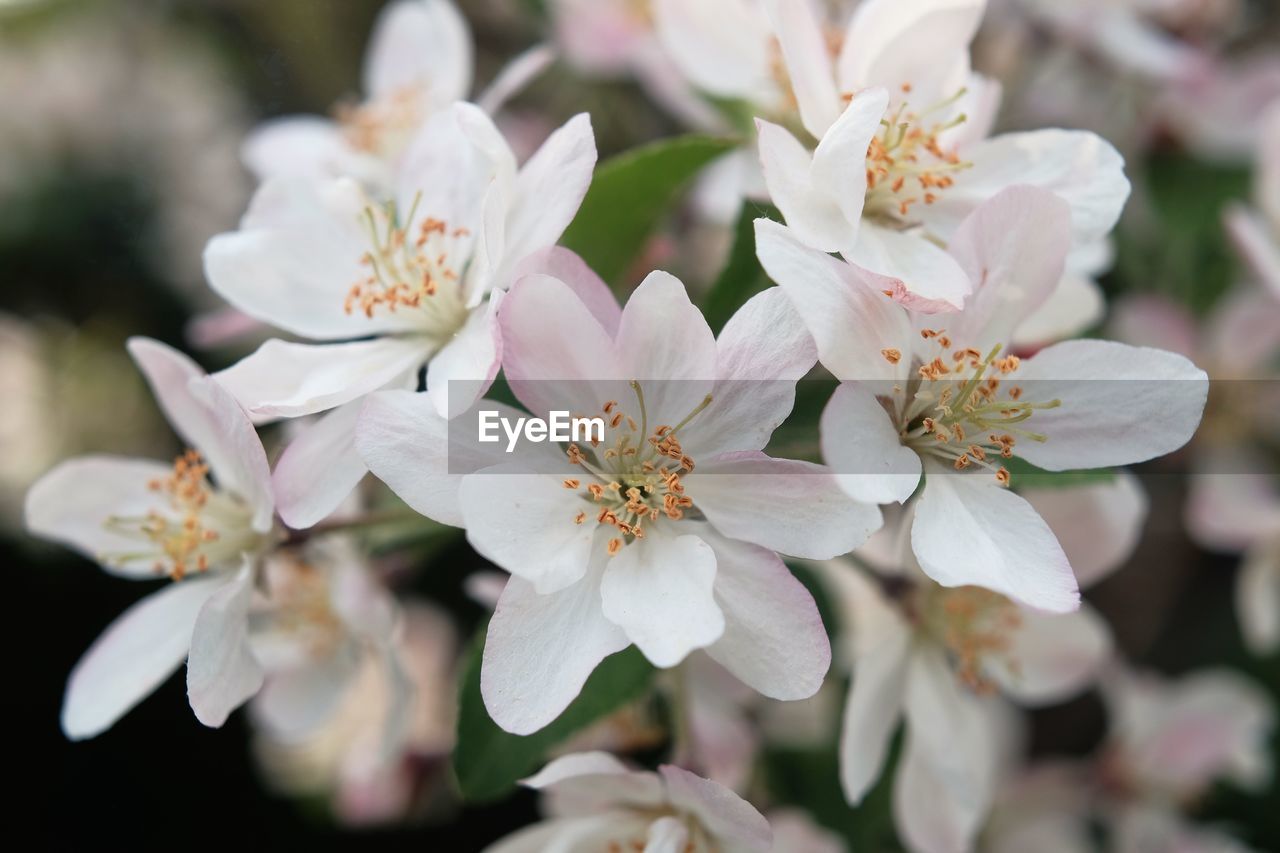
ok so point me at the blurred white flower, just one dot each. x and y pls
(595, 802)
(934, 395)
(390, 730)
(1256, 230)
(388, 287)
(929, 654)
(142, 520)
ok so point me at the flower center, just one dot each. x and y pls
(975, 625)
(906, 163)
(961, 408)
(300, 604)
(199, 527)
(382, 126)
(632, 476)
(411, 267)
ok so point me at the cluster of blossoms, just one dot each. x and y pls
(937, 271)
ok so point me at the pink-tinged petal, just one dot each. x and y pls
(71, 503)
(574, 765)
(420, 43)
(1080, 167)
(807, 61)
(1120, 404)
(211, 421)
(221, 670)
(729, 61)
(1233, 503)
(295, 258)
(969, 531)
(464, 369)
(592, 832)
(809, 209)
(773, 639)
(659, 591)
(881, 640)
(840, 160)
(863, 450)
(795, 832)
(548, 190)
(730, 819)
(556, 355)
(797, 508)
(852, 322)
(282, 379)
(305, 147)
(921, 276)
(1014, 250)
(762, 352)
(1258, 599)
(664, 337)
(924, 44)
(1051, 657)
(526, 523)
(1076, 305)
(945, 781)
(136, 652)
(562, 264)
(1098, 525)
(515, 76)
(1258, 243)
(420, 455)
(540, 649)
(319, 468)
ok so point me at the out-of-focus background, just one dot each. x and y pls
(120, 129)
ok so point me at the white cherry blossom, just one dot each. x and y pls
(939, 396)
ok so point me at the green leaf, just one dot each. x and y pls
(1028, 476)
(742, 276)
(488, 761)
(629, 194)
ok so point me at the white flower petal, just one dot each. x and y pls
(1075, 305)
(562, 264)
(970, 531)
(71, 503)
(295, 703)
(840, 160)
(282, 379)
(924, 44)
(515, 76)
(295, 258)
(1051, 657)
(525, 522)
(731, 820)
(465, 367)
(574, 765)
(319, 468)
(1013, 248)
(1120, 404)
(420, 43)
(555, 354)
(924, 277)
(305, 147)
(850, 320)
(785, 505)
(540, 650)
(1098, 525)
(136, 652)
(809, 209)
(863, 450)
(211, 421)
(773, 639)
(730, 61)
(221, 670)
(761, 353)
(874, 706)
(1080, 167)
(667, 835)
(659, 591)
(807, 61)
